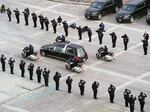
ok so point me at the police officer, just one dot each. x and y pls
(2, 8)
(17, 14)
(111, 91)
(114, 39)
(56, 78)
(9, 14)
(118, 3)
(141, 99)
(100, 35)
(95, 89)
(59, 20)
(89, 34)
(146, 36)
(132, 102)
(145, 46)
(54, 24)
(28, 11)
(3, 58)
(125, 41)
(22, 67)
(11, 64)
(69, 83)
(26, 16)
(34, 18)
(46, 76)
(79, 32)
(65, 26)
(41, 19)
(38, 73)
(30, 69)
(46, 21)
(102, 27)
(81, 85)
(126, 96)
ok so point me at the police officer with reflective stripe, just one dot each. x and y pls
(41, 19)
(34, 18)
(11, 64)
(114, 39)
(54, 24)
(95, 89)
(59, 20)
(38, 73)
(9, 13)
(26, 16)
(100, 35)
(22, 67)
(65, 26)
(46, 76)
(132, 103)
(17, 14)
(30, 69)
(141, 99)
(126, 96)
(111, 91)
(46, 21)
(145, 46)
(89, 34)
(56, 78)
(125, 41)
(79, 32)
(3, 58)
(69, 83)
(81, 85)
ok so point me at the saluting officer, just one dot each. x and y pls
(17, 14)
(81, 85)
(141, 99)
(41, 19)
(100, 35)
(56, 78)
(89, 34)
(9, 13)
(111, 91)
(46, 76)
(79, 32)
(26, 16)
(146, 36)
(38, 73)
(132, 102)
(59, 20)
(28, 11)
(3, 58)
(31, 68)
(34, 18)
(114, 39)
(54, 24)
(125, 41)
(65, 26)
(46, 21)
(95, 89)
(11, 64)
(126, 96)
(145, 46)
(22, 67)
(69, 83)
(102, 27)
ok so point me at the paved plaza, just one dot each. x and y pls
(130, 69)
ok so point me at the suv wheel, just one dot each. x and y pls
(43, 53)
(131, 19)
(99, 16)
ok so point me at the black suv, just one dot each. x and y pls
(132, 10)
(64, 51)
(148, 18)
(100, 8)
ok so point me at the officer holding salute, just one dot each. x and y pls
(46, 76)
(69, 83)
(3, 58)
(126, 96)
(111, 91)
(34, 18)
(81, 85)
(56, 78)
(100, 35)
(26, 16)
(145, 46)
(95, 89)
(9, 14)
(38, 73)
(79, 32)
(59, 20)
(41, 19)
(125, 41)
(46, 21)
(65, 25)
(17, 14)
(141, 99)
(146, 36)
(54, 24)
(30, 69)
(22, 67)
(132, 102)
(114, 39)
(11, 64)
(89, 34)
(102, 27)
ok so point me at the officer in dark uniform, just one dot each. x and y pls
(111, 91)
(102, 27)
(59, 20)
(54, 24)
(3, 58)
(65, 26)
(34, 18)
(145, 46)
(126, 96)
(17, 14)
(81, 85)
(38, 73)
(26, 16)
(114, 39)
(46, 21)
(118, 3)
(100, 35)
(69, 82)
(2, 9)
(28, 11)
(9, 14)
(31, 68)
(46, 76)
(41, 19)
(56, 78)
(146, 36)
(79, 32)
(22, 67)
(95, 89)
(125, 41)
(132, 102)
(11, 64)
(141, 99)
(89, 34)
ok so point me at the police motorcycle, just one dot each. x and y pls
(61, 39)
(104, 54)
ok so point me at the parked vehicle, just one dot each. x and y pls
(148, 18)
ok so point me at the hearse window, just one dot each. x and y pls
(51, 48)
(140, 5)
(70, 51)
(59, 49)
(98, 5)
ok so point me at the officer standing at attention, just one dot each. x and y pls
(11, 64)
(22, 67)
(125, 41)
(54, 24)
(41, 19)
(17, 14)
(31, 68)
(114, 39)
(89, 34)
(26, 16)
(145, 46)
(59, 20)
(95, 89)
(126, 96)
(111, 91)
(46, 76)
(34, 18)
(46, 21)
(132, 102)
(69, 82)
(3, 58)
(141, 99)
(79, 32)
(9, 14)
(38, 73)
(56, 78)
(65, 25)
(100, 35)
(81, 85)
(146, 36)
